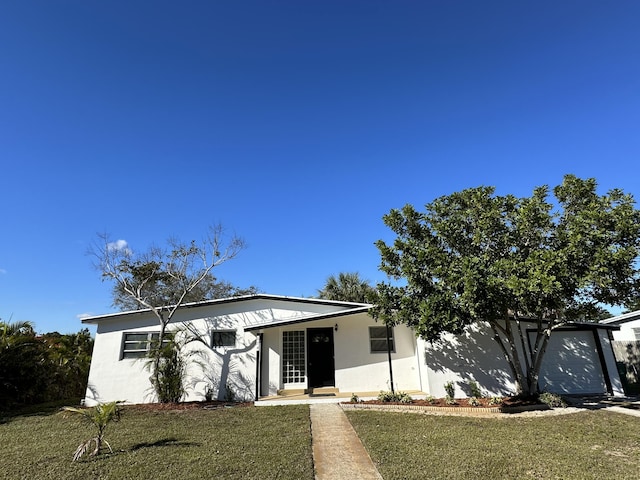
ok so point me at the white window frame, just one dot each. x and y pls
(294, 354)
(379, 334)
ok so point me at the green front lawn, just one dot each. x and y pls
(275, 442)
(228, 443)
(586, 445)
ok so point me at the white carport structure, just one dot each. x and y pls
(579, 361)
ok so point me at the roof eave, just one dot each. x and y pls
(313, 318)
(623, 318)
(94, 320)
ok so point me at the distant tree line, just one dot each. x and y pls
(38, 368)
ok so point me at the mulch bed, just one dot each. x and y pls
(508, 403)
(163, 407)
(463, 403)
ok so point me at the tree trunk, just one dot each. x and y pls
(521, 377)
(98, 441)
(541, 348)
(157, 354)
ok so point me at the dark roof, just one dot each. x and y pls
(588, 326)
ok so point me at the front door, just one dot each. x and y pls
(320, 364)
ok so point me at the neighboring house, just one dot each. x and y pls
(629, 324)
(263, 345)
(626, 347)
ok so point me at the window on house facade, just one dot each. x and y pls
(138, 344)
(223, 338)
(636, 333)
(378, 339)
(293, 363)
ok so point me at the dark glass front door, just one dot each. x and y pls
(320, 364)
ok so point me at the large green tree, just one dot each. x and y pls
(346, 287)
(163, 279)
(474, 256)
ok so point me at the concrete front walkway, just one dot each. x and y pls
(338, 453)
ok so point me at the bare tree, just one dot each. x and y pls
(162, 279)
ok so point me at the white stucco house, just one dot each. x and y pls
(262, 346)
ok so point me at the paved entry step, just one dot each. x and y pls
(323, 392)
(308, 391)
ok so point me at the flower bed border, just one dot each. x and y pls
(407, 407)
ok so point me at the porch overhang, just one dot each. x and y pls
(310, 318)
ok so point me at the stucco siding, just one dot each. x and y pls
(360, 370)
(224, 370)
(113, 379)
(356, 368)
(473, 356)
(259, 322)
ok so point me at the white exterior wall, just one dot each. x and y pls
(473, 356)
(359, 370)
(417, 365)
(356, 368)
(112, 378)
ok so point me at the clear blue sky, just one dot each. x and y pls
(296, 125)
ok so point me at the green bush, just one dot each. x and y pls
(170, 370)
(405, 398)
(385, 396)
(229, 394)
(475, 389)
(474, 401)
(553, 400)
(388, 397)
(450, 390)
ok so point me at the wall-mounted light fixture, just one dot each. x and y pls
(336, 327)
